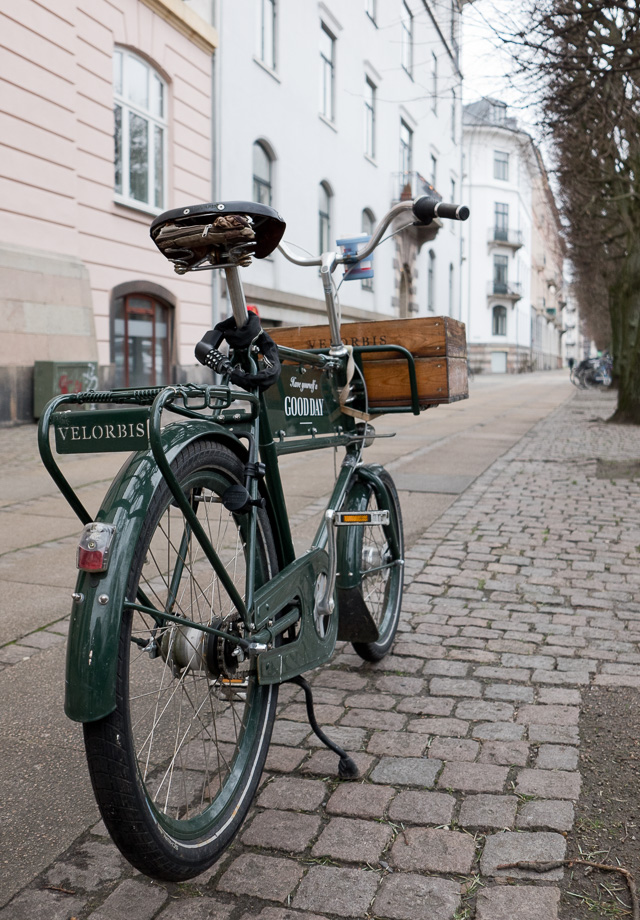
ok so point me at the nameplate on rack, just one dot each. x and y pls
(90, 432)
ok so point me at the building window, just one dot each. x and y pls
(407, 39)
(140, 135)
(369, 118)
(262, 174)
(434, 171)
(453, 193)
(431, 282)
(141, 341)
(434, 83)
(406, 153)
(324, 217)
(370, 9)
(501, 165)
(451, 287)
(454, 114)
(267, 33)
(327, 72)
(368, 225)
(499, 320)
(501, 221)
(500, 274)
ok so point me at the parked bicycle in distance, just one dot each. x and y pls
(191, 606)
(593, 372)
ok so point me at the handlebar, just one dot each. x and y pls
(424, 210)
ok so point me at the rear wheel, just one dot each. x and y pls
(175, 767)
(382, 569)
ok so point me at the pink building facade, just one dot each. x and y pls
(105, 111)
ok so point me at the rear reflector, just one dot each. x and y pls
(94, 547)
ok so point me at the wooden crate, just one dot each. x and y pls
(437, 343)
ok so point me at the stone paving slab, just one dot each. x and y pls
(466, 736)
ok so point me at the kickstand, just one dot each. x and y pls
(347, 768)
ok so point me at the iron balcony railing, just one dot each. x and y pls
(504, 236)
(509, 289)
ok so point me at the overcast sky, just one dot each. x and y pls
(485, 64)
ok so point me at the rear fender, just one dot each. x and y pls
(94, 632)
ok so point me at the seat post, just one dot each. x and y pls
(236, 296)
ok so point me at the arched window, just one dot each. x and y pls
(499, 320)
(262, 173)
(141, 336)
(324, 217)
(140, 132)
(431, 282)
(368, 223)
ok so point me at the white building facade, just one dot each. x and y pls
(512, 278)
(117, 110)
(330, 112)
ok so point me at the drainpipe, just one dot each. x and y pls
(215, 153)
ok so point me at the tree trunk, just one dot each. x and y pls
(625, 328)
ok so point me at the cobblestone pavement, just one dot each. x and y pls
(466, 736)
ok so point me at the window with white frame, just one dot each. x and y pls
(327, 72)
(406, 48)
(500, 274)
(406, 152)
(501, 217)
(434, 83)
(454, 114)
(140, 131)
(262, 174)
(369, 118)
(431, 282)
(266, 37)
(324, 217)
(368, 224)
(501, 165)
(451, 287)
(499, 320)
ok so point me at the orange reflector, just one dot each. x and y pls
(355, 518)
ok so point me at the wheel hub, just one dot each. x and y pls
(373, 557)
(185, 647)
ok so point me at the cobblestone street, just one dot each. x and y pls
(523, 593)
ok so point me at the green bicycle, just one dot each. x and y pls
(191, 606)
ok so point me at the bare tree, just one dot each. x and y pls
(584, 58)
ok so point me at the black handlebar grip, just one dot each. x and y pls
(452, 211)
(426, 208)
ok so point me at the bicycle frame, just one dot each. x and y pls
(302, 412)
(301, 589)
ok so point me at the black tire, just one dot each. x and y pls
(382, 589)
(175, 767)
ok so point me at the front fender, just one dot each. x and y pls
(94, 631)
(355, 621)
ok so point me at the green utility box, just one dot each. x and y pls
(51, 378)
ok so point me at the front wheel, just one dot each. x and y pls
(380, 559)
(174, 768)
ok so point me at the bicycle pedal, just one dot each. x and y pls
(349, 518)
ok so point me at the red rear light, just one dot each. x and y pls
(94, 547)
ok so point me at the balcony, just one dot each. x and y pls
(503, 236)
(409, 185)
(507, 290)
(406, 186)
